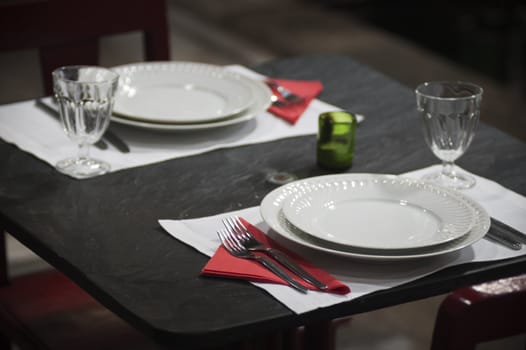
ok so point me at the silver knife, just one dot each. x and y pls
(514, 245)
(116, 141)
(109, 136)
(508, 231)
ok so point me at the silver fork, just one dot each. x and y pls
(233, 246)
(236, 228)
(289, 96)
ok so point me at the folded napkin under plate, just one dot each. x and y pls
(224, 264)
(360, 276)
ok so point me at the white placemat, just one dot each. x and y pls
(366, 277)
(34, 131)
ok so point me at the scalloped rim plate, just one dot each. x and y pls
(262, 100)
(378, 213)
(272, 214)
(180, 92)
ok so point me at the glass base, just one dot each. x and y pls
(455, 180)
(82, 168)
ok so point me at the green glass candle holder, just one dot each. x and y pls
(335, 147)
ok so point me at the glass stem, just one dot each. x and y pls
(448, 169)
(83, 150)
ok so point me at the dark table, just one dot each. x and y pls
(103, 232)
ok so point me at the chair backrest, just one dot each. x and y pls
(481, 313)
(67, 32)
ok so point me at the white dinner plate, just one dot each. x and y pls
(378, 212)
(272, 214)
(180, 92)
(262, 100)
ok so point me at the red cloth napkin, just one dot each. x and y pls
(308, 89)
(225, 265)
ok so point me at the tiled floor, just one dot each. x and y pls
(251, 32)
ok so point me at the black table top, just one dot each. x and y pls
(103, 232)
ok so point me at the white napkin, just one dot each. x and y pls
(33, 131)
(500, 203)
(366, 277)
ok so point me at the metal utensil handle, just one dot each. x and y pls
(284, 92)
(508, 230)
(117, 142)
(503, 241)
(292, 266)
(278, 271)
(100, 144)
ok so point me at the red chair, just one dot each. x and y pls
(67, 32)
(45, 310)
(481, 313)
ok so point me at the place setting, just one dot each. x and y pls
(162, 110)
(355, 233)
(349, 234)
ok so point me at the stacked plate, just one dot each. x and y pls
(371, 216)
(186, 96)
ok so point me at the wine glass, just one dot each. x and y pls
(85, 96)
(450, 112)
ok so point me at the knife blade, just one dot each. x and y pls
(109, 136)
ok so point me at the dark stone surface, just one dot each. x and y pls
(103, 232)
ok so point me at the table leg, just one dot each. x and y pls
(4, 276)
(285, 340)
(322, 335)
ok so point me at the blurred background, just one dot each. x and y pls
(478, 41)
